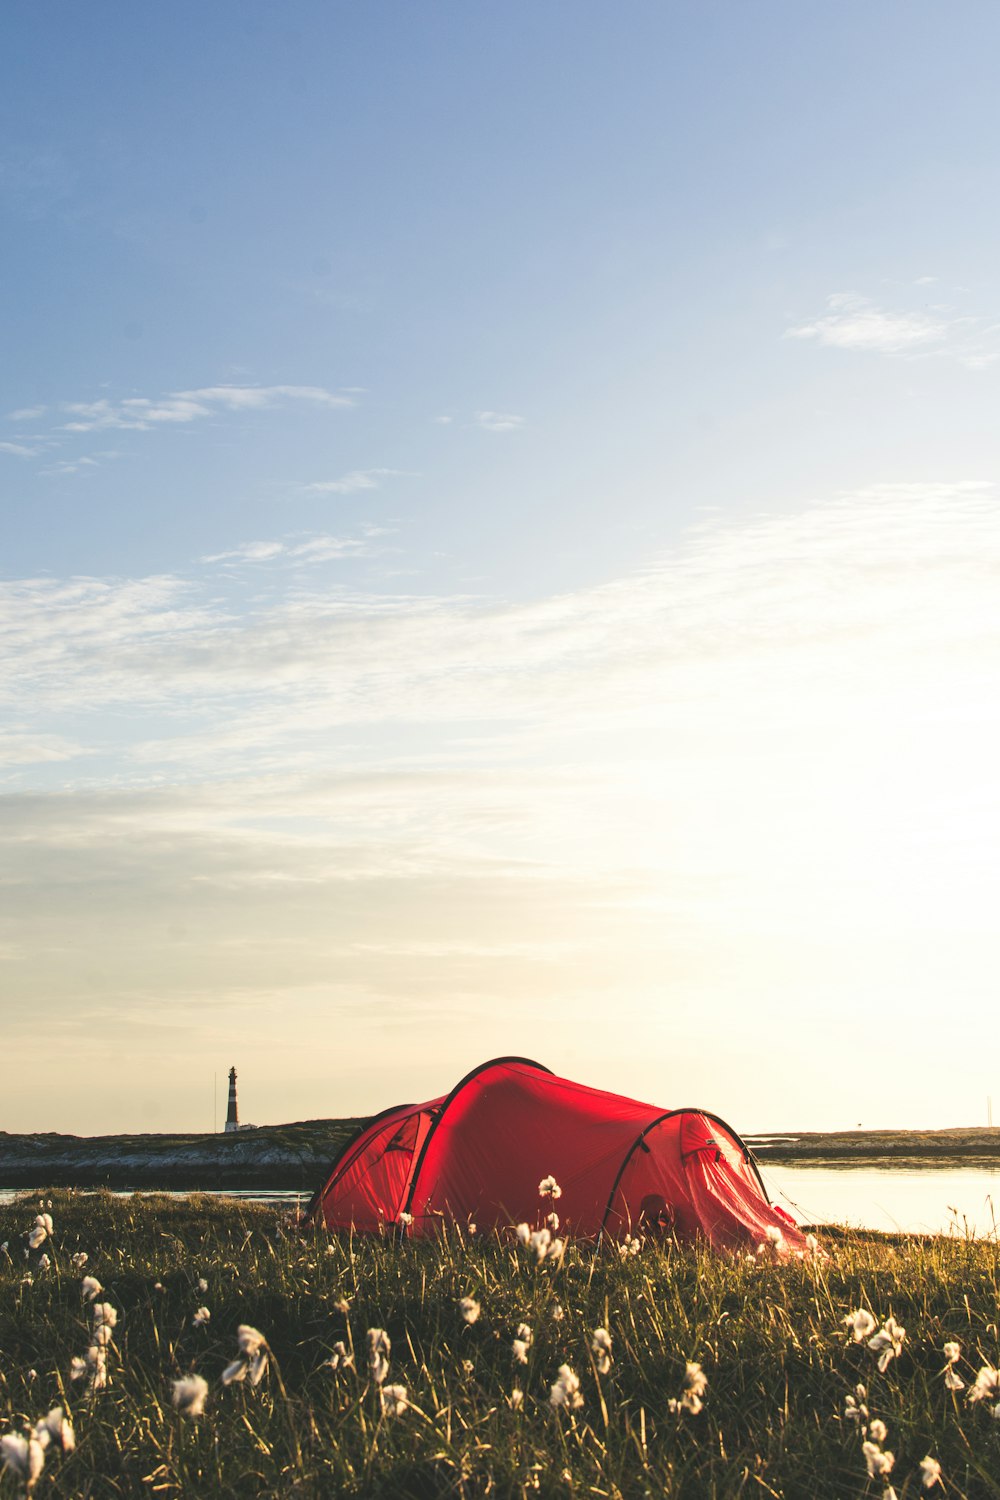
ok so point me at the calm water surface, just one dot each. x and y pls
(920, 1200)
(925, 1200)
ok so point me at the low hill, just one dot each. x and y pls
(293, 1157)
(964, 1146)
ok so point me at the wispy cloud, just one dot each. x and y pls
(352, 483)
(139, 413)
(314, 549)
(498, 421)
(20, 450)
(26, 414)
(854, 322)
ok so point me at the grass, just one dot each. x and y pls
(769, 1337)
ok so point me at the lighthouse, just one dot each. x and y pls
(232, 1116)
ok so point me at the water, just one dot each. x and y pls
(273, 1197)
(917, 1200)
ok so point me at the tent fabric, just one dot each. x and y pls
(478, 1155)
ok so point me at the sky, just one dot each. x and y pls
(500, 554)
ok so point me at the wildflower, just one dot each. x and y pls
(379, 1349)
(469, 1308)
(202, 1284)
(158, 1286)
(105, 1321)
(23, 1456)
(861, 1324)
(342, 1306)
(79, 1260)
(472, 1229)
(44, 1263)
(330, 1250)
(566, 1390)
(341, 1358)
(77, 1368)
(630, 1245)
(601, 1349)
(40, 1231)
(557, 1250)
(952, 1379)
(189, 1395)
(855, 1409)
(97, 1364)
(877, 1431)
(539, 1241)
(523, 1232)
(393, 1399)
(56, 1428)
(32, 1375)
(986, 1384)
(812, 1245)
(930, 1473)
(468, 1366)
(520, 1347)
(552, 1222)
(887, 1343)
(695, 1386)
(879, 1463)
(251, 1362)
(557, 1312)
(90, 1288)
(201, 1317)
(549, 1188)
(516, 1398)
(28, 1280)
(405, 1220)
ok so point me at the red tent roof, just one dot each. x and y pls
(479, 1154)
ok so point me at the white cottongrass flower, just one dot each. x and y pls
(97, 1367)
(557, 1313)
(985, 1385)
(379, 1349)
(23, 1456)
(887, 1343)
(105, 1322)
(342, 1305)
(469, 1308)
(549, 1188)
(28, 1280)
(812, 1245)
(557, 1250)
(952, 1379)
(77, 1368)
(251, 1362)
(630, 1245)
(877, 1430)
(79, 1260)
(340, 1358)
(695, 1386)
(522, 1343)
(40, 1231)
(393, 1400)
(516, 1399)
(861, 1324)
(523, 1232)
(404, 1219)
(201, 1317)
(552, 1222)
(566, 1390)
(930, 1473)
(189, 1395)
(879, 1464)
(44, 1263)
(202, 1284)
(601, 1349)
(855, 1409)
(538, 1242)
(56, 1430)
(90, 1288)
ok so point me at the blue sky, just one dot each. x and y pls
(499, 550)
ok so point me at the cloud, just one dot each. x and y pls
(139, 413)
(21, 450)
(352, 483)
(498, 421)
(314, 549)
(443, 421)
(856, 323)
(26, 414)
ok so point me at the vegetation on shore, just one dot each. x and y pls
(675, 1371)
(961, 1147)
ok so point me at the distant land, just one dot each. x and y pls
(294, 1157)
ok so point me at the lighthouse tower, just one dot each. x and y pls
(232, 1116)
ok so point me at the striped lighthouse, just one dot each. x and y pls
(232, 1115)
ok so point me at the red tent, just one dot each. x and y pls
(479, 1154)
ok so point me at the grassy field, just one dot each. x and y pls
(768, 1333)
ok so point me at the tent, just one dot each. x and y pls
(479, 1154)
